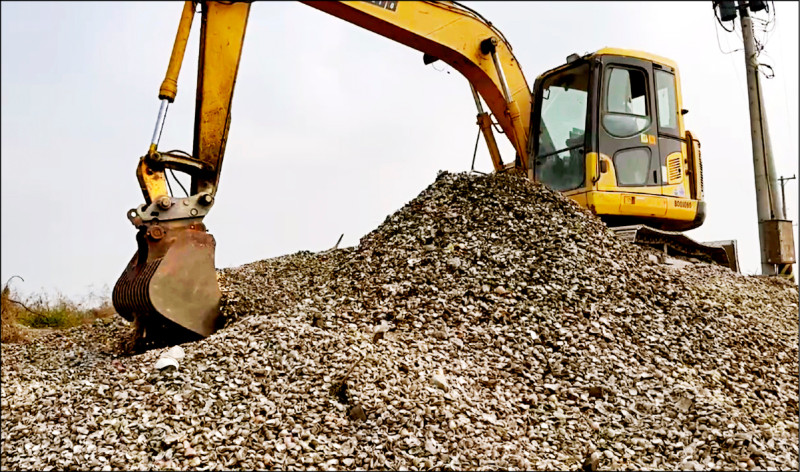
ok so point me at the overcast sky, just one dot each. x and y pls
(333, 128)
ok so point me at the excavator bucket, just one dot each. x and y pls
(169, 289)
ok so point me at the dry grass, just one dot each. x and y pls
(10, 331)
(41, 311)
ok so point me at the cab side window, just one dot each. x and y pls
(626, 107)
(667, 103)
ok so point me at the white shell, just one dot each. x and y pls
(164, 362)
(175, 352)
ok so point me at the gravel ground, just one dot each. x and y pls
(489, 323)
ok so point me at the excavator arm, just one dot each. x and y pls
(169, 288)
(222, 30)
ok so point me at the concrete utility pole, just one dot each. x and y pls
(774, 230)
(767, 197)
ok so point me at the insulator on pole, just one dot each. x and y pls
(756, 5)
(727, 10)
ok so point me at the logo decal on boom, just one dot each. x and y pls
(392, 6)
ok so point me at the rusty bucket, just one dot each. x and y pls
(169, 288)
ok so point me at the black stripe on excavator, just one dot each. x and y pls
(700, 216)
(391, 6)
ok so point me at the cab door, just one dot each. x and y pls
(561, 127)
(627, 131)
(670, 135)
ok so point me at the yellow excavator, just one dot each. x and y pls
(606, 129)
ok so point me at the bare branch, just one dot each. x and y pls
(11, 278)
(7, 290)
(23, 306)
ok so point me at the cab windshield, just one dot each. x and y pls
(559, 162)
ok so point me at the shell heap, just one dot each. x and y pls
(489, 323)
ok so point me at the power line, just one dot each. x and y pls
(766, 27)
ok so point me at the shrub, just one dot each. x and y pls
(59, 316)
(40, 312)
(9, 319)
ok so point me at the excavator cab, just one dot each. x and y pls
(607, 131)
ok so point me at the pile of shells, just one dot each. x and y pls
(490, 323)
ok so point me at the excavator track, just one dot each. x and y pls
(678, 244)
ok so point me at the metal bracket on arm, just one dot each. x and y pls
(161, 207)
(185, 164)
(152, 180)
(170, 208)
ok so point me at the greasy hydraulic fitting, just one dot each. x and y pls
(164, 202)
(156, 233)
(206, 199)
